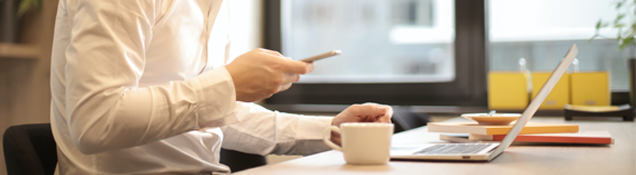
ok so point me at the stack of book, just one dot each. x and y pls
(532, 132)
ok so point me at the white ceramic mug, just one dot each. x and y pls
(363, 143)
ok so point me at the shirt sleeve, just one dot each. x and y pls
(105, 108)
(262, 131)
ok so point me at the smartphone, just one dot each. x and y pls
(321, 56)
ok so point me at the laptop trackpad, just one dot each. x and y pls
(406, 150)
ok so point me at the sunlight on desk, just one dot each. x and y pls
(618, 158)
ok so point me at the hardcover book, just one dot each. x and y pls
(583, 137)
(474, 128)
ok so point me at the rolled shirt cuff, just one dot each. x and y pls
(217, 99)
(312, 128)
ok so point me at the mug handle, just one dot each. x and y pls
(325, 137)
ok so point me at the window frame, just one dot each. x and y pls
(468, 88)
(471, 66)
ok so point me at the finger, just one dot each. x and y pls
(336, 138)
(389, 112)
(290, 78)
(374, 104)
(284, 87)
(272, 52)
(386, 118)
(368, 110)
(297, 67)
(310, 67)
(295, 77)
(378, 105)
(382, 119)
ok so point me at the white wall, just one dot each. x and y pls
(541, 20)
(247, 19)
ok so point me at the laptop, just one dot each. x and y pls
(485, 151)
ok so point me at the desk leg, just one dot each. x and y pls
(629, 116)
(568, 115)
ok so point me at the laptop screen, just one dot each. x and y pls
(536, 102)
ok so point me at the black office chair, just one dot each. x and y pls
(239, 161)
(30, 149)
(403, 119)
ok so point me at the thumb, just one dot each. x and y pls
(381, 109)
(386, 117)
(369, 110)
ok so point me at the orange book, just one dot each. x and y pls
(474, 128)
(583, 137)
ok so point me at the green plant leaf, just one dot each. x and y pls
(619, 25)
(618, 18)
(22, 9)
(627, 39)
(630, 34)
(598, 24)
(626, 42)
(618, 5)
(38, 3)
(590, 40)
(26, 5)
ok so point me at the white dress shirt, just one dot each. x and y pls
(139, 87)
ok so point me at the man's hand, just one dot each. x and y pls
(260, 73)
(368, 112)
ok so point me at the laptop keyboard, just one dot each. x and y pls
(454, 148)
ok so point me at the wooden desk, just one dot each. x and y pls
(618, 158)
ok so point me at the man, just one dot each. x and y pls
(142, 87)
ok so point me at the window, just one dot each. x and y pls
(415, 12)
(402, 52)
(541, 30)
(382, 41)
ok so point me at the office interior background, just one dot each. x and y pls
(413, 52)
(402, 52)
(412, 40)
